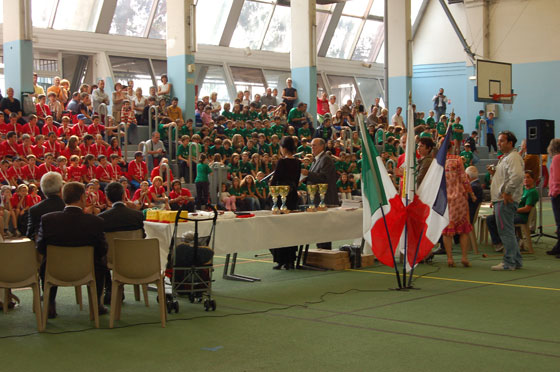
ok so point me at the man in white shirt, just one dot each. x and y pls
(397, 119)
(333, 106)
(506, 191)
(99, 96)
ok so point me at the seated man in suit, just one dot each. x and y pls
(322, 171)
(73, 228)
(118, 218)
(51, 185)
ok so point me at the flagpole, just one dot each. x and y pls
(407, 176)
(364, 133)
(409, 286)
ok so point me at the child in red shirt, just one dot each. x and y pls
(75, 171)
(142, 196)
(33, 197)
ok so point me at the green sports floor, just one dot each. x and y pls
(460, 319)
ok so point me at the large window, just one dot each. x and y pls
(251, 79)
(341, 43)
(211, 17)
(41, 12)
(158, 29)
(215, 81)
(343, 88)
(131, 17)
(369, 90)
(369, 41)
(251, 25)
(137, 69)
(276, 79)
(77, 15)
(278, 35)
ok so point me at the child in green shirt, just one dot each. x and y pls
(201, 182)
(467, 156)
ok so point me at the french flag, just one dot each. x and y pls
(428, 214)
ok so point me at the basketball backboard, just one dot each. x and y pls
(493, 78)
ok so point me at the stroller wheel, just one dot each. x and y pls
(169, 307)
(206, 305)
(213, 305)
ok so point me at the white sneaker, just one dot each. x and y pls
(501, 267)
(498, 247)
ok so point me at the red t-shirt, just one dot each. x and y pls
(33, 199)
(39, 151)
(88, 172)
(8, 149)
(4, 175)
(79, 130)
(47, 129)
(155, 172)
(104, 173)
(43, 168)
(138, 170)
(16, 173)
(110, 151)
(33, 132)
(159, 191)
(137, 195)
(14, 201)
(43, 110)
(97, 149)
(93, 129)
(67, 152)
(61, 131)
(85, 150)
(31, 172)
(322, 106)
(24, 151)
(53, 148)
(75, 173)
(184, 192)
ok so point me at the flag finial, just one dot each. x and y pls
(410, 97)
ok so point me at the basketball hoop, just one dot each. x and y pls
(503, 97)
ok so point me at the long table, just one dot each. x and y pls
(265, 231)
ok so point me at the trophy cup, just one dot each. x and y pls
(311, 191)
(284, 191)
(322, 191)
(274, 192)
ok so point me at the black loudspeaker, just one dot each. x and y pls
(539, 134)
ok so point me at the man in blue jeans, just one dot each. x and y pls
(505, 192)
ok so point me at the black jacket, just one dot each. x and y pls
(73, 228)
(122, 218)
(51, 204)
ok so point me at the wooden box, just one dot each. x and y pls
(368, 260)
(327, 259)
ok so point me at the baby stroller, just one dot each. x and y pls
(190, 265)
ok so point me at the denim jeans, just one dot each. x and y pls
(505, 215)
(493, 227)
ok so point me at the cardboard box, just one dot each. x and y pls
(368, 260)
(328, 259)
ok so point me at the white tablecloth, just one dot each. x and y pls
(266, 231)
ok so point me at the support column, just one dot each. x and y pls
(399, 57)
(181, 46)
(18, 47)
(303, 56)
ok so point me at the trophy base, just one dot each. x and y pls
(276, 211)
(285, 211)
(322, 209)
(311, 209)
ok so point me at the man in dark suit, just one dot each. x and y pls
(73, 228)
(118, 218)
(51, 185)
(322, 171)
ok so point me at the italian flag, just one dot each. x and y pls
(384, 212)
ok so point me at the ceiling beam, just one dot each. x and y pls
(419, 17)
(331, 28)
(231, 22)
(106, 16)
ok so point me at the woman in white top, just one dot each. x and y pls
(164, 90)
(118, 97)
(216, 106)
(138, 104)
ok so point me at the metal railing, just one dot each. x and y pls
(347, 139)
(103, 112)
(169, 141)
(190, 158)
(150, 120)
(119, 136)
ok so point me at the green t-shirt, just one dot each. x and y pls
(163, 132)
(213, 150)
(305, 149)
(227, 114)
(228, 152)
(253, 115)
(233, 168)
(262, 187)
(356, 167)
(341, 166)
(295, 114)
(477, 122)
(379, 137)
(457, 136)
(262, 116)
(418, 122)
(234, 192)
(468, 155)
(304, 132)
(240, 116)
(275, 148)
(245, 167)
(345, 185)
(251, 151)
(245, 189)
(441, 128)
(431, 122)
(530, 197)
(425, 135)
(202, 172)
(183, 151)
(278, 129)
(390, 149)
